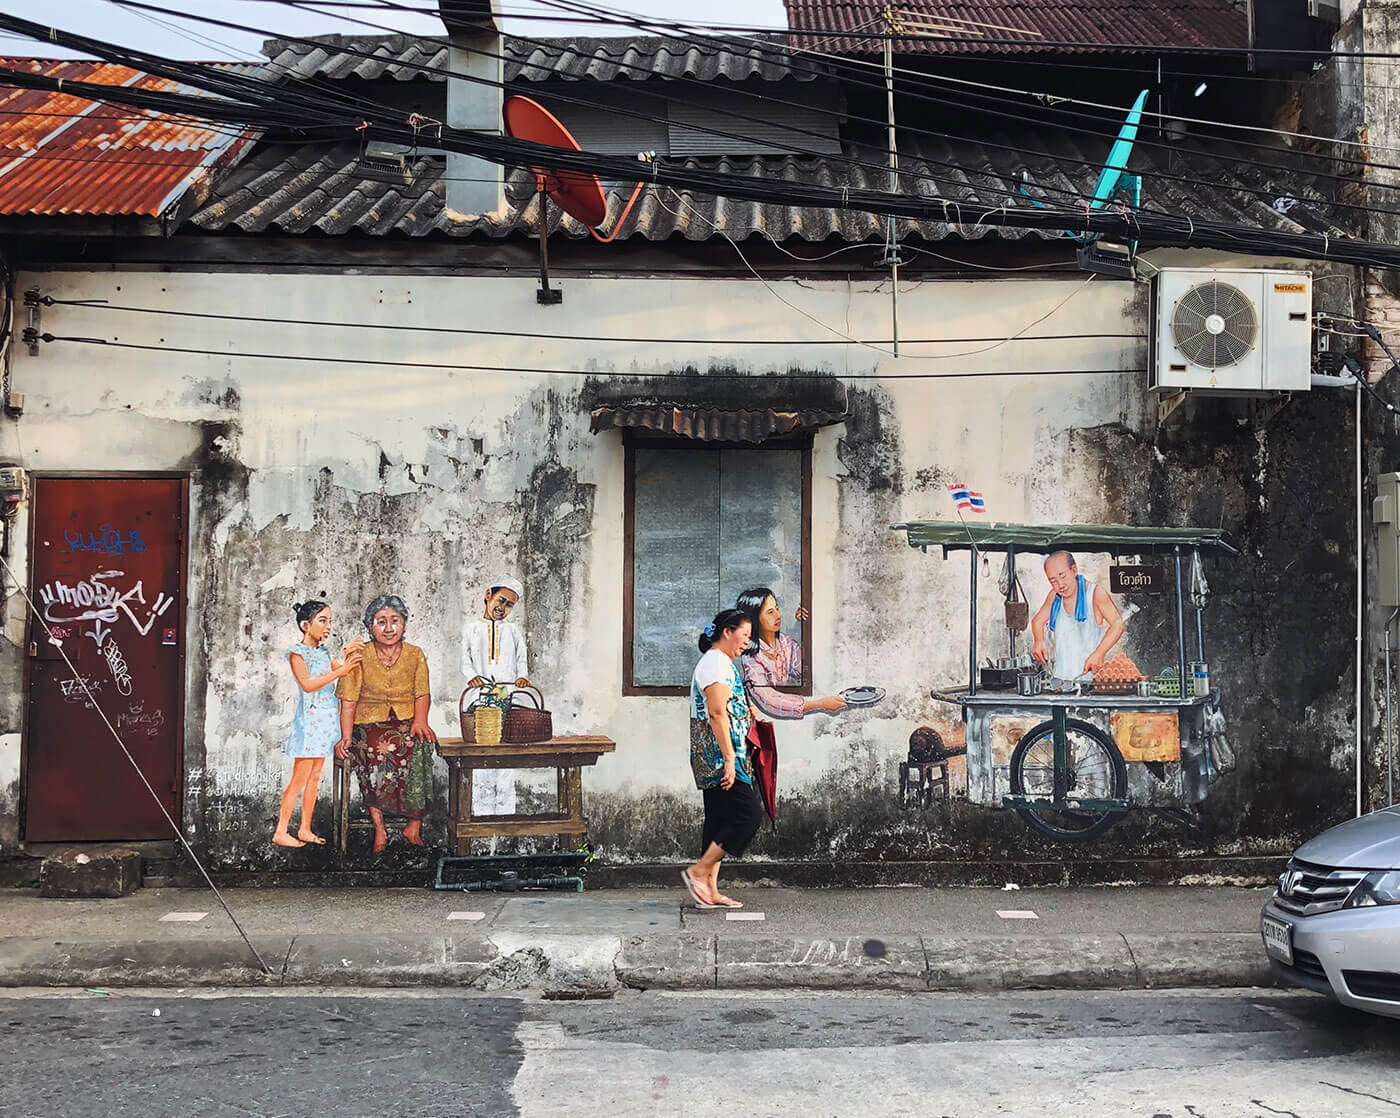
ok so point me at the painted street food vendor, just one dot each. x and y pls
(1079, 617)
(493, 650)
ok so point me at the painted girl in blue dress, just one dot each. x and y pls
(316, 725)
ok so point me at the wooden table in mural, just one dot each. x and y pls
(566, 755)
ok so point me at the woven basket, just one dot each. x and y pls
(468, 716)
(525, 724)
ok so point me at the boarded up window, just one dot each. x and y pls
(705, 524)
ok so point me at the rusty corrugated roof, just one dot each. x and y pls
(966, 26)
(713, 424)
(716, 409)
(61, 154)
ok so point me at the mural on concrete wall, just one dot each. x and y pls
(316, 724)
(384, 731)
(467, 473)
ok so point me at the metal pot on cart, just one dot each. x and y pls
(1067, 775)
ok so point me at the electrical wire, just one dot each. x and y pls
(135, 5)
(790, 31)
(866, 164)
(768, 286)
(97, 304)
(1268, 196)
(1169, 229)
(1166, 229)
(839, 63)
(683, 374)
(879, 168)
(940, 356)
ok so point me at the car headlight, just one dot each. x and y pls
(1375, 889)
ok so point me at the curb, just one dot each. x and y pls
(1247, 870)
(576, 966)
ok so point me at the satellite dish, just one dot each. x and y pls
(1117, 160)
(1111, 178)
(577, 193)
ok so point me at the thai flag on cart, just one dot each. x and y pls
(965, 498)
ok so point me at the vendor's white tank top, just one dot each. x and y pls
(1076, 640)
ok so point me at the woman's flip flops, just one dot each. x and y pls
(689, 883)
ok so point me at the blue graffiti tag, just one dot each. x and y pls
(107, 540)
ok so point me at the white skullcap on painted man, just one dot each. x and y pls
(507, 583)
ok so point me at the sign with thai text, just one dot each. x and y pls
(1137, 580)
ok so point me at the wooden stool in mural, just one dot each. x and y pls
(566, 755)
(343, 778)
(924, 776)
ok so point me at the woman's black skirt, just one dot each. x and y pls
(732, 818)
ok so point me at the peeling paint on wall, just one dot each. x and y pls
(353, 479)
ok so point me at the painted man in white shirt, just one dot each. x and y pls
(493, 651)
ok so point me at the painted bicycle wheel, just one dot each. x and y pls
(1095, 771)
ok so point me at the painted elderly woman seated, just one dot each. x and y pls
(384, 723)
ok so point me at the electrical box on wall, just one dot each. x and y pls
(1385, 514)
(1232, 331)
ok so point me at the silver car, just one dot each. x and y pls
(1333, 925)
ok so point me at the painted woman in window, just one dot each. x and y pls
(773, 660)
(384, 723)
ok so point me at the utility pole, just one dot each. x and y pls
(891, 257)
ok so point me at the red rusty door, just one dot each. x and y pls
(107, 576)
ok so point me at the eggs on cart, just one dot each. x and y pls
(1119, 675)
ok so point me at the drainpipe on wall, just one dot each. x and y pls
(474, 185)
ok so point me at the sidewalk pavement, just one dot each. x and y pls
(593, 944)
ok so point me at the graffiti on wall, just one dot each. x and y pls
(105, 540)
(95, 606)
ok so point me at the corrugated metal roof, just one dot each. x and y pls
(576, 58)
(950, 26)
(715, 408)
(61, 154)
(318, 189)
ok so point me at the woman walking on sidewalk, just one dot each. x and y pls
(719, 728)
(316, 724)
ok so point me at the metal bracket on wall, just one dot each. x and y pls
(1167, 405)
(1265, 411)
(35, 307)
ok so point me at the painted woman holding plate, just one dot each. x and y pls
(773, 660)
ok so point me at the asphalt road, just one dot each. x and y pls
(1180, 1054)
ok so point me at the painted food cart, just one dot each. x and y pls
(1066, 773)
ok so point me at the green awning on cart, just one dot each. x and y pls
(1115, 539)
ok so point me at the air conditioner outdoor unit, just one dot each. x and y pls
(1232, 331)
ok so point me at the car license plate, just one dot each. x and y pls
(1278, 939)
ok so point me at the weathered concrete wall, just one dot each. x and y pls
(354, 479)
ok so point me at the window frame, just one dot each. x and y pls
(630, 444)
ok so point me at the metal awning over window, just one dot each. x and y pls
(739, 410)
